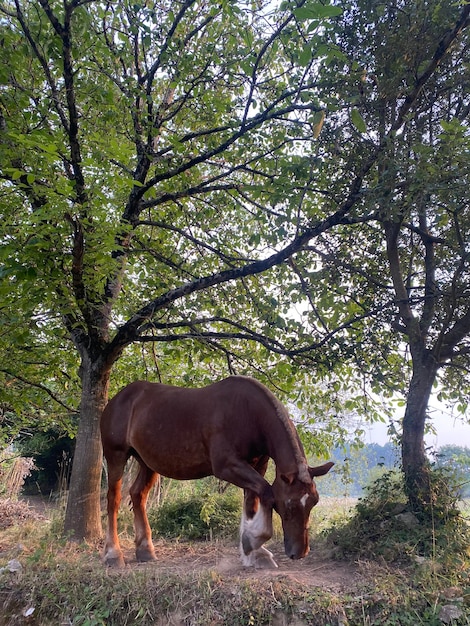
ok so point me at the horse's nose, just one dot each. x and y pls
(294, 552)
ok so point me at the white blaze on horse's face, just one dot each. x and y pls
(293, 501)
(304, 500)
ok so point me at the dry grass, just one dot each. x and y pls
(15, 512)
(64, 584)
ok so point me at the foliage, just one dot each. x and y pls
(457, 458)
(163, 162)
(383, 526)
(52, 451)
(206, 515)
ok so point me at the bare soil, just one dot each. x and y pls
(317, 569)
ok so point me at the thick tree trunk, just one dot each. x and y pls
(414, 461)
(83, 513)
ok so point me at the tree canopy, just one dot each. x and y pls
(236, 187)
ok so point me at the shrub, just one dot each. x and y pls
(383, 526)
(202, 516)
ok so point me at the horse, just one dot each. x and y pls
(229, 429)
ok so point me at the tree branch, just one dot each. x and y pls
(50, 393)
(130, 331)
(441, 50)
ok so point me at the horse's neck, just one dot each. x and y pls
(283, 443)
(285, 448)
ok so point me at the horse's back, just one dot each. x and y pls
(180, 415)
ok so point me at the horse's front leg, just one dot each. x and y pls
(112, 551)
(139, 492)
(256, 524)
(255, 529)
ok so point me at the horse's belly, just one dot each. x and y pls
(180, 471)
(181, 459)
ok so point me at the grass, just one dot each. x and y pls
(65, 584)
(100, 597)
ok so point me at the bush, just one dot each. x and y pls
(202, 516)
(383, 526)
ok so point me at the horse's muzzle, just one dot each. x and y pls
(295, 556)
(296, 551)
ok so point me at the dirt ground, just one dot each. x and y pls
(317, 569)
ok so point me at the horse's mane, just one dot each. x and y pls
(291, 432)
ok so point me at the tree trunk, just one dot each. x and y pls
(83, 513)
(414, 461)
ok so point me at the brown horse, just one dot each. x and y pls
(229, 429)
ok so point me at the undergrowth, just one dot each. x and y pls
(204, 516)
(201, 516)
(406, 575)
(69, 586)
(383, 527)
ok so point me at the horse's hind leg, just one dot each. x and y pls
(112, 550)
(139, 492)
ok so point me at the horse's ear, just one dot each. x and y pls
(320, 470)
(289, 478)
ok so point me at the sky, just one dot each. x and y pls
(449, 431)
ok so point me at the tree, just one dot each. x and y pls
(162, 180)
(139, 141)
(407, 258)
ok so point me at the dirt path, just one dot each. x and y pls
(317, 569)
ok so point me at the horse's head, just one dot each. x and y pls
(294, 498)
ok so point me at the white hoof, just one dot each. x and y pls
(259, 559)
(113, 558)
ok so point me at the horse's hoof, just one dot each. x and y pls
(114, 561)
(145, 555)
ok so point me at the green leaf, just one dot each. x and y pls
(358, 121)
(305, 56)
(317, 11)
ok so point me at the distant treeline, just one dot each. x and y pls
(357, 467)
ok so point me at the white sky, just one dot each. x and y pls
(449, 430)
